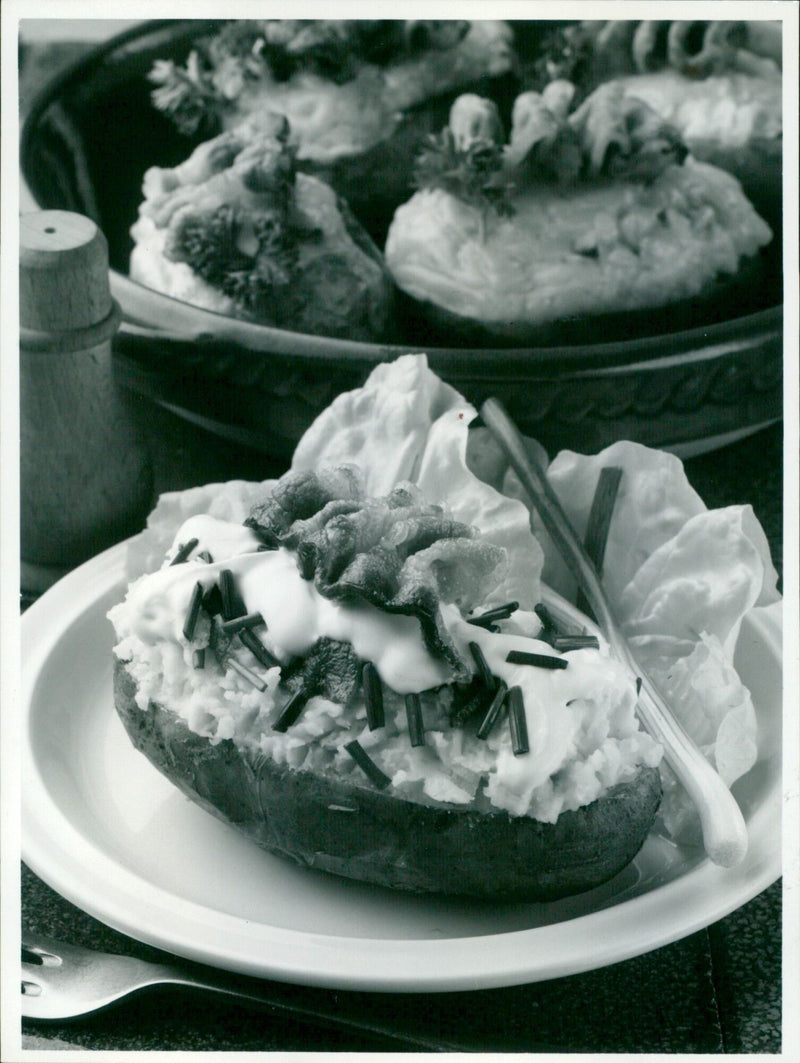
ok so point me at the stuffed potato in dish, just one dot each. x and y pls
(583, 213)
(235, 229)
(359, 94)
(333, 662)
(717, 82)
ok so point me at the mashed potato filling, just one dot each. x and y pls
(331, 120)
(607, 247)
(584, 736)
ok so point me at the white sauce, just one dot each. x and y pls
(581, 722)
(295, 613)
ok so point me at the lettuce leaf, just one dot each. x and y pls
(716, 709)
(704, 579)
(653, 503)
(407, 424)
(681, 579)
(226, 501)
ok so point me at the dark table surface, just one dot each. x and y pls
(717, 991)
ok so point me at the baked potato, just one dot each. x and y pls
(337, 824)
(235, 229)
(593, 216)
(333, 664)
(360, 95)
(311, 676)
(717, 82)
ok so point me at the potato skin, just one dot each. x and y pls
(364, 833)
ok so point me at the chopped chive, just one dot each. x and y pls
(373, 695)
(212, 600)
(367, 764)
(499, 612)
(247, 674)
(230, 627)
(487, 625)
(204, 555)
(416, 728)
(563, 643)
(484, 672)
(494, 710)
(539, 660)
(193, 612)
(605, 496)
(291, 711)
(268, 540)
(183, 552)
(249, 639)
(638, 685)
(199, 659)
(517, 722)
(599, 522)
(232, 604)
(549, 626)
(307, 559)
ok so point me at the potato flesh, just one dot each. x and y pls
(333, 824)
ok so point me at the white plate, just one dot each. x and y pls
(104, 829)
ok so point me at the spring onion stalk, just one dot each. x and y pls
(723, 826)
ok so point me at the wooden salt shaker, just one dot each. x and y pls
(85, 478)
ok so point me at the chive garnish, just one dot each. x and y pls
(307, 559)
(367, 764)
(199, 658)
(268, 540)
(487, 625)
(549, 626)
(290, 711)
(232, 604)
(226, 590)
(193, 612)
(499, 612)
(231, 627)
(563, 643)
(212, 600)
(538, 660)
(416, 728)
(494, 710)
(247, 674)
(517, 722)
(249, 639)
(638, 685)
(484, 672)
(599, 522)
(373, 695)
(204, 555)
(183, 552)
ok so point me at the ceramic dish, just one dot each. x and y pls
(689, 379)
(104, 829)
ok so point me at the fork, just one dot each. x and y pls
(62, 981)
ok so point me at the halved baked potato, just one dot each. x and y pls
(587, 217)
(235, 229)
(360, 95)
(318, 677)
(334, 823)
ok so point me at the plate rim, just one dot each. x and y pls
(163, 919)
